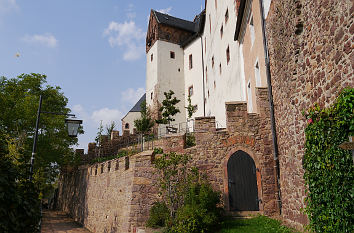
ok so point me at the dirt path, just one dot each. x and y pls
(55, 221)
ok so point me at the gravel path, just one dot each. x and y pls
(56, 221)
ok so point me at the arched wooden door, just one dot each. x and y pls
(242, 182)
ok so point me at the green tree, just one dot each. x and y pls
(168, 109)
(110, 127)
(19, 98)
(190, 108)
(144, 124)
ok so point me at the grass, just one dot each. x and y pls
(258, 224)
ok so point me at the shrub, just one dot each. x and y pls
(191, 202)
(190, 140)
(159, 215)
(200, 212)
(329, 172)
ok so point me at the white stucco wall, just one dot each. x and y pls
(194, 77)
(229, 85)
(171, 76)
(130, 118)
(151, 73)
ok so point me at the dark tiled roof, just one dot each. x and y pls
(137, 107)
(175, 22)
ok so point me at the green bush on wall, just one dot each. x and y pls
(329, 172)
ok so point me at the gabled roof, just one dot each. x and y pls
(137, 107)
(175, 22)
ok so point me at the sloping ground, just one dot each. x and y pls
(56, 221)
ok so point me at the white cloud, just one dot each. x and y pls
(131, 96)
(126, 35)
(106, 115)
(46, 39)
(8, 5)
(131, 14)
(166, 10)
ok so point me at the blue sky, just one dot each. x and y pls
(93, 49)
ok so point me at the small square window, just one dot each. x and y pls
(214, 85)
(228, 54)
(212, 62)
(222, 31)
(220, 69)
(152, 57)
(226, 15)
(172, 54)
(151, 95)
(190, 61)
(190, 91)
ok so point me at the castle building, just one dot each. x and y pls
(131, 116)
(201, 60)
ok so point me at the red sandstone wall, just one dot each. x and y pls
(311, 54)
(107, 197)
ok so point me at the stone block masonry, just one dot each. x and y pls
(110, 197)
(311, 60)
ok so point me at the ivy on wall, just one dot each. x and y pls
(329, 170)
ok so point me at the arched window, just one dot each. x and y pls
(127, 125)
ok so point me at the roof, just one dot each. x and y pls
(239, 19)
(199, 22)
(137, 106)
(175, 22)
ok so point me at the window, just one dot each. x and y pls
(190, 61)
(210, 23)
(190, 91)
(228, 54)
(252, 33)
(221, 31)
(127, 126)
(216, 4)
(152, 57)
(214, 85)
(249, 93)
(220, 70)
(151, 95)
(208, 94)
(195, 107)
(257, 75)
(226, 15)
(212, 62)
(172, 54)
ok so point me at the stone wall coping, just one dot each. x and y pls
(201, 118)
(236, 103)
